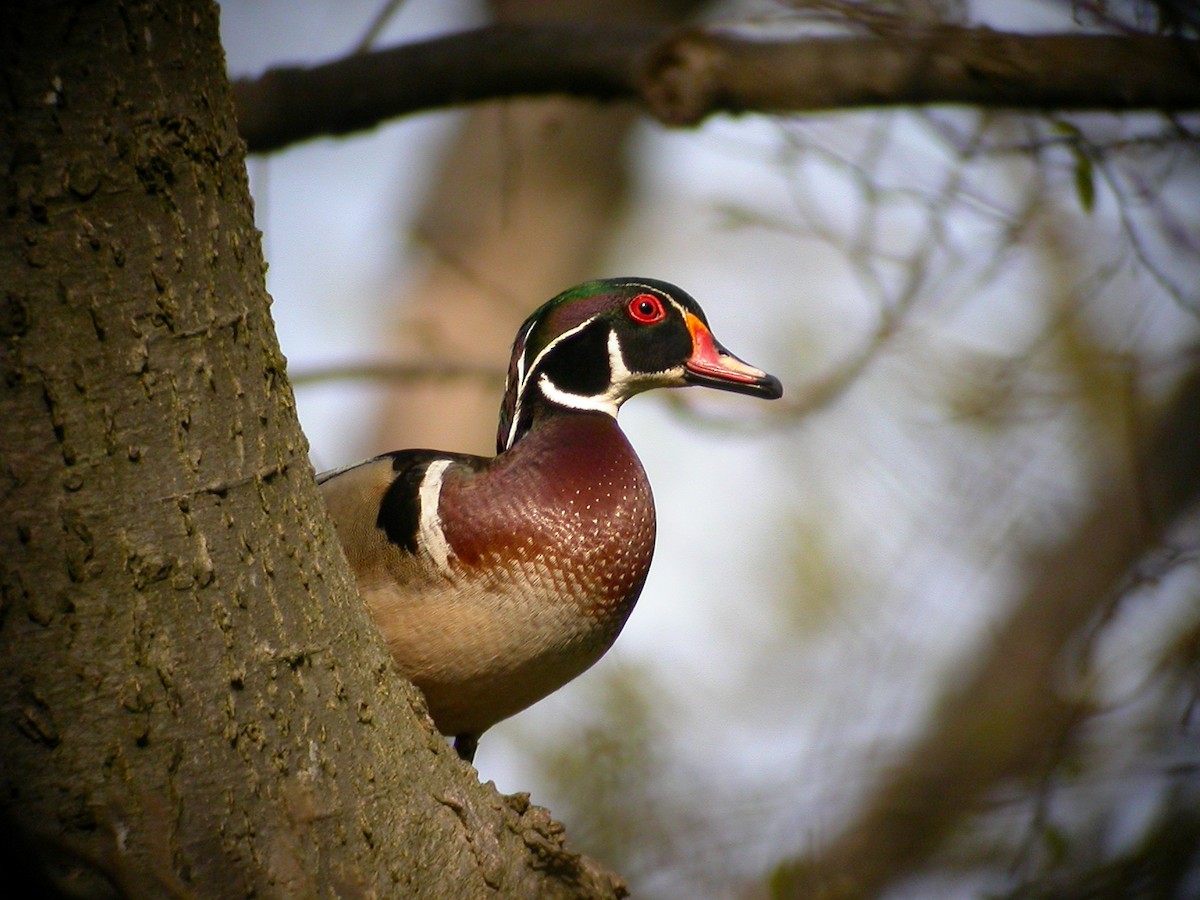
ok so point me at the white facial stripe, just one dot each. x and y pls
(621, 382)
(554, 343)
(658, 292)
(605, 403)
(622, 385)
(523, 375)
(430, 535)
(683, 313)
(610, 400)
(618, 372)
(521, 362)
(512, 426)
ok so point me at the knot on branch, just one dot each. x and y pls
(680, 78)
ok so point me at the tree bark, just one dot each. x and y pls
(684, 75)
(195, 700)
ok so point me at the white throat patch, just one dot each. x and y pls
(622, 384)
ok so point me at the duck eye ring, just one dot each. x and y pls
(646, 309)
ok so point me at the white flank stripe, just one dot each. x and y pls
(430, 535)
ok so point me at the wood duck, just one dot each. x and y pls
(497, 580)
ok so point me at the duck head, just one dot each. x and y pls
(596, 345)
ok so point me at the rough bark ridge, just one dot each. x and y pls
(194, 700)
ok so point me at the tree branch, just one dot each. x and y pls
(682, 76)
(696, 74)
(291, 104)
(398, 372)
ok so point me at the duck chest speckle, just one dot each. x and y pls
(568, 511)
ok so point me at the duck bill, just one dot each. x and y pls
(713, 366)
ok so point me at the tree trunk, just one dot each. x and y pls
(195, 700)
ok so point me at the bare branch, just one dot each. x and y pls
(397, 372)
(293, 104)
(378, 23)
(698, 73)
(683, 76)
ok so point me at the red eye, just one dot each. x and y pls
(646, 309)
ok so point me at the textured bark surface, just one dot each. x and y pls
(194, 701)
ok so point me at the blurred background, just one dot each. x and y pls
(977, 316)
